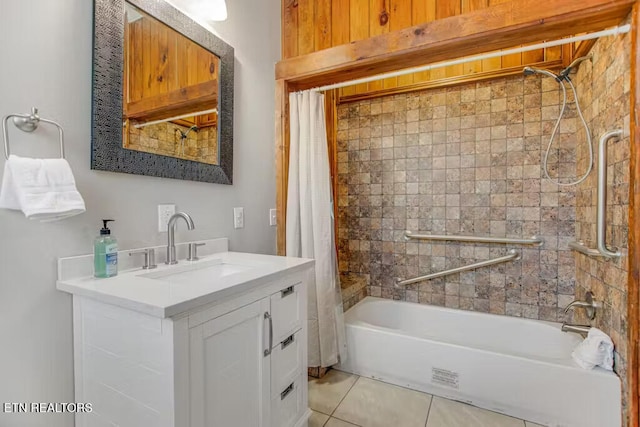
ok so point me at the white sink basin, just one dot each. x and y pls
(203, 272)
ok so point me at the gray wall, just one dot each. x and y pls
(46, 50)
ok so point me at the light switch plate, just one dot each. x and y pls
(165, 212)
(273, 218)
(238, 217)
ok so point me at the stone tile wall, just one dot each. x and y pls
(462, 160)
(163, 139)
(604, 89)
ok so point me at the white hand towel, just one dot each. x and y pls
(595, 350)
(44, 189)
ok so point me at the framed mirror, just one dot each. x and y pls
(162, 94)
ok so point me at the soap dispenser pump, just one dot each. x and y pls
(105, 252)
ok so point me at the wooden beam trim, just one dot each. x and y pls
(448, 82)
(282, 163)
(583, 48)
(497, 27)
(180, 101)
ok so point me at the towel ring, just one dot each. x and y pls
(28, 123)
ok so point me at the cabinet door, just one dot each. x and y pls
(229, 373)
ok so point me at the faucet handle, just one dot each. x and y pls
(193, 251)
(149, 257)
(589, 304)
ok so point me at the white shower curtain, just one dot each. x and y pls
(310, 232)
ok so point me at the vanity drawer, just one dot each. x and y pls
(286, 307)
(287, 406)
(286, 362)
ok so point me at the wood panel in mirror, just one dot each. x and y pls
(163, 94)
(167, 75)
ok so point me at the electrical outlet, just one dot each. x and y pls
(238, 217)
(164, 213)
(273, 218)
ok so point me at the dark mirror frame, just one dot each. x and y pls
(107, 152)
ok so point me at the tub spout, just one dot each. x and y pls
(578, 329)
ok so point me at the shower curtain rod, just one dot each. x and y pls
(609, 32)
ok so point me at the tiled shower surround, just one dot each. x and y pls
(462, 160)
(163, 138)
(604, 86)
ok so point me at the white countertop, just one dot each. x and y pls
(164, 298)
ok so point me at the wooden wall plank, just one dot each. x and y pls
(470, 6)
(163, 59)
(182, 76)
(290, 28)
(192, 69)
(340, 26)
(146, 58)
(154, 82)
(446, 9)
(532, 56)
(423, 11)
(553, 53)
(358, 20)
(171, 70)
(323, 24)
(340, 22)
(492, 64)
(379, 15)
(401, 18)
(511, 60)
(306, 32)
(633, 291)
(135, 92)
(359, 28)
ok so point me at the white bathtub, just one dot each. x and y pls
(518, 367)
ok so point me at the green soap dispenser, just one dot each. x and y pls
(105, 253)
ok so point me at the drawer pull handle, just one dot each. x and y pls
(286, 292)
(286, 392)
(268, 317)
(284, 344)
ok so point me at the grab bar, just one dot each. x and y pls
(534, 240)
(601, 218)
(579, 246)
(601, 206)
(513, 255)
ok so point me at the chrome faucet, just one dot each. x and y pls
(171, 229)
(590, 305)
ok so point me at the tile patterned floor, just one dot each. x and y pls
(344, 400)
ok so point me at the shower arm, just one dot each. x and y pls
(564, 74)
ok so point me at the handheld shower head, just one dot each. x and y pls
(528, 71)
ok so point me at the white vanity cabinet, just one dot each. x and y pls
(248, 367)
(239, 360)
